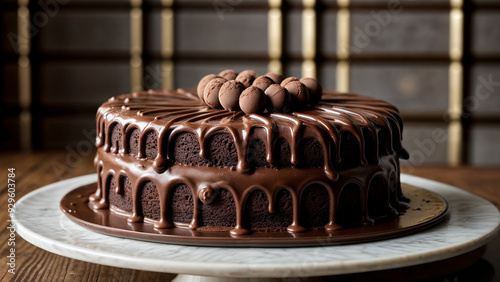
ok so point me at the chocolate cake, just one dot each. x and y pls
(244, 153)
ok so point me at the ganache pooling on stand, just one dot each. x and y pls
(245, 153)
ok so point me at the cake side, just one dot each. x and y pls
(162, 140)
(360, 195)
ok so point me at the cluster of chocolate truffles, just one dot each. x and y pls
(253, 94)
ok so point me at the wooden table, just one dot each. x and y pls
(33, 170)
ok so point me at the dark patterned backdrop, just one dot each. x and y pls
(438, 61)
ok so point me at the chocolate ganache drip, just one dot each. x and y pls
(136, 135)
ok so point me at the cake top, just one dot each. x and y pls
(238, 106)
(254, 94)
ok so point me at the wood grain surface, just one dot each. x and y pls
(36, 169)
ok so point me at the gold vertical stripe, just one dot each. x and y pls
(24, 64)
(273, 4)
(136, 73)
(136, 46)
(343, 3)
(275, 66)
(275, 33)
(456, 84)
(457, 4)
(167, 74)
(23, 26)
(309, 68)
(167, 45)
(455, 103)
(167, 33)
(455, 143)
(343, 31)
(25, 121)
(456, 34)
(135, 3)
(275, 36)
(308, 4)
(343, 19)
(309, 39)
(24, 74)
(343, 76)
(136, 31)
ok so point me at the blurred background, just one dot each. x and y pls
(437, 60)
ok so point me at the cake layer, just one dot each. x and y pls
(267, 199)
(150, 124)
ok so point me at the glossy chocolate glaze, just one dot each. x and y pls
(170, 113)
(426, 210)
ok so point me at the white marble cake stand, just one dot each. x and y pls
(472, 223)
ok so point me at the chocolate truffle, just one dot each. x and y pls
(247, 77)
(262, 82)
(211, 93)
(252, 100)
(203, 83)
(229, 95)
(278, 98)
(288, 80)
(315, 90)
(276, 77)
(228, 74)
(298, 93)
